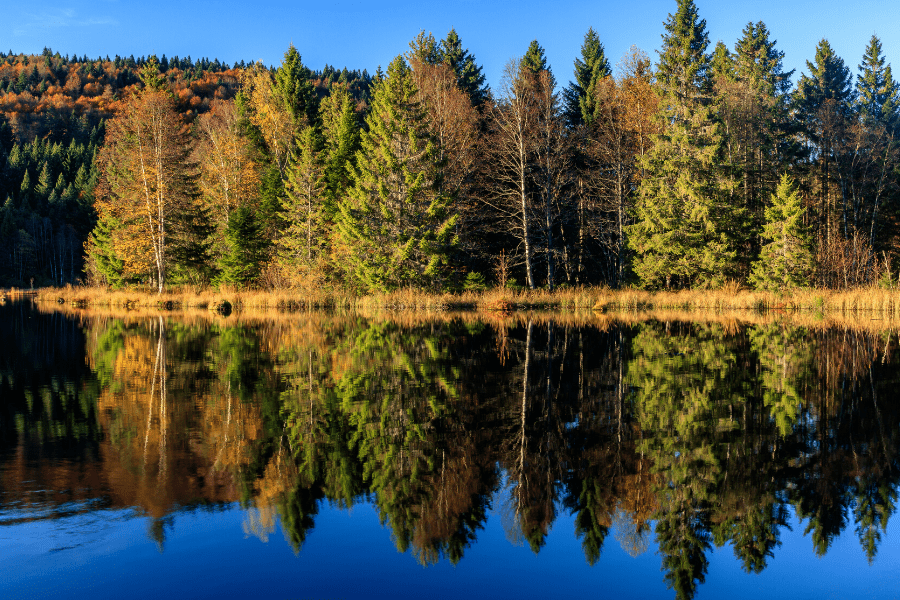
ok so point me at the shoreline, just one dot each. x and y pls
(883, 301)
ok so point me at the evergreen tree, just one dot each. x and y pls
(534, 60)
(877, 92)
(293, 86)
(684, 223)
(44, 185)
(786, 260)
(105, 262)
(424, 48)
(340, 127)
(823, 101)
(468, 73)
(580, 96)
(191, 246)
(248, 248)
(395, 224)
(303, 205)
(753, 94)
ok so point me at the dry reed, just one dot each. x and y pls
(885, 302)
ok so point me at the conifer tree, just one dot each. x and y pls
(753, 95)
(535, 60)
(296, 92)
(684, 223)
(243, 263)
(303, 209)
(395, 225)
(877, 92)
(468, 73)
(786, 259)
(823, 101)
(580, 96)
(340, 128)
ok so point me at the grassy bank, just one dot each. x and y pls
(884, 302)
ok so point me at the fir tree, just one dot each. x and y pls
(682, 233)
(395, 225)
(786, 259)
(823, 102)
(590, 68)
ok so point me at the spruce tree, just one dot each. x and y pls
(535, 60)
(823, 103)
(340, 130)
(303, 209)
(243, 263)
(786, 260)
(753, 93)
(877, 92)
(684, 224)
(395, 225)
(580, 96)
(293, 86)
(468, 73)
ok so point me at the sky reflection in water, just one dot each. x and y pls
(172, 457)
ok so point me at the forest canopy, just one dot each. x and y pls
(697, 166)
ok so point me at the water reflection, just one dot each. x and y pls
(683, 435)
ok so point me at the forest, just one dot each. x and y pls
(703, 166)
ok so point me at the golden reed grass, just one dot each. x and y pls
(730, 298)
(266, 318)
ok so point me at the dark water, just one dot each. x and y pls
(345, 456)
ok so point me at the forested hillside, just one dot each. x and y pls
(704, 164)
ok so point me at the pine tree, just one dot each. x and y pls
(580, 96)
(786, 259)
(395, 226)
(684, 224)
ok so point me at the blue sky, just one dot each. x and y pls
(365, 34)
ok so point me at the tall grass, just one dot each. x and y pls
(730, 298)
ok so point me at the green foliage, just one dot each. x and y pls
(685, 224)
(786, 259)
(469, 76)
(534, 59)
(877, 92)
(304, 207)
(248, 248)
(292, 83)
(341, 132)
(475, 282)
(395, 224)
(580, 97)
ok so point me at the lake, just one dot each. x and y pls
(352, 455)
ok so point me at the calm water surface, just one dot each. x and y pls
(348, 456)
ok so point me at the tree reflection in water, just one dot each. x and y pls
(704, 433)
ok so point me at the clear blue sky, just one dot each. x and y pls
(367, 33)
